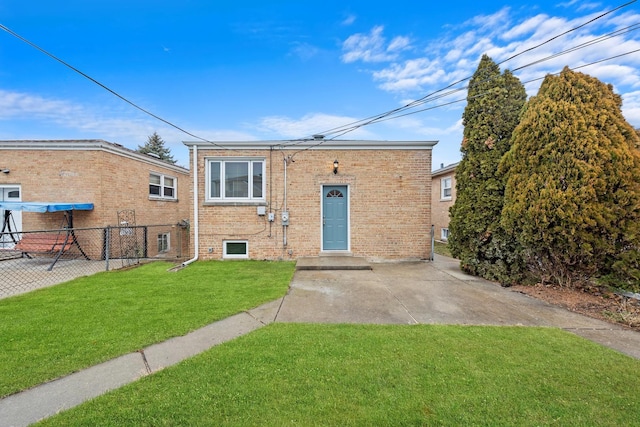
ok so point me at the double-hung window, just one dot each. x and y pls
(445, 188)
(235, 179)
(162, 186)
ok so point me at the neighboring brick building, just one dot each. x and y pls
(443, 195)
(375, 202)
(108, 175)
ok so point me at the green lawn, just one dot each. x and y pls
(51, 332)
(369, 375)
(442, 249)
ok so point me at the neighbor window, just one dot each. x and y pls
(444, 234)
(235, 249)
(162, 186)
(445, 188)
(235, 179)
(163, 242)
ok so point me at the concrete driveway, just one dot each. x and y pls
(429, 293)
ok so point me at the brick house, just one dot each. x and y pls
(443, 195)
(109, 176)
(284, 200)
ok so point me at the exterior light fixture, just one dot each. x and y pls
(5, 170)
(335, 166)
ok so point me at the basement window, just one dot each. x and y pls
(163, 242)
(238, 249)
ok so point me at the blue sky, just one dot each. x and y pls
(286, 69)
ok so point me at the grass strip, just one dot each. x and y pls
(55, 331)
(362, 375)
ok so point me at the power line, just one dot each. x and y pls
(350, 127)
(18, 36)
(524, 83)
(391, 114)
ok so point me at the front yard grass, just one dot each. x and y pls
(55, 331)
(347, 375)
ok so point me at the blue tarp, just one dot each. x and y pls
(45, 207)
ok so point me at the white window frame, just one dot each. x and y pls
(226, 255)
(163, 186)
(443, 181)
(444, 234)
(223, 161)
(161, 237)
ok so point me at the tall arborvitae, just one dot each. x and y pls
(573, 192)
(494, 103)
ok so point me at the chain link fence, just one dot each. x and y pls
(35, 259)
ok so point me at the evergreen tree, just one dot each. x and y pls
(573, 191)
(155, 145)
(494, 102)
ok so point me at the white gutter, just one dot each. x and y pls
(196, 222)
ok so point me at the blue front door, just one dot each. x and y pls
(335, 224)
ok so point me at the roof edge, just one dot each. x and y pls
(87, 144)
(314, 144)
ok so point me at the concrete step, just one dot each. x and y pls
(333, 263)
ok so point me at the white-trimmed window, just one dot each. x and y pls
(164, 242)
(162, 186)
(444, 234)
(235, 179)
(235, 249)
(445, 188)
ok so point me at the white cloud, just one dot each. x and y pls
(493, 23)
(372, 47)
(410, 75)
(631, 108)
(528, 26)
(399, 43)
(350, 19)
(22, 105)
(287, 127)
(502, 35)
(304, 51)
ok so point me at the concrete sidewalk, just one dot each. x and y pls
(398, 293)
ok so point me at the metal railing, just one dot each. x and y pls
(35, 259)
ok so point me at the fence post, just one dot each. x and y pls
(433, 243)
(145, 231)
(107, 245)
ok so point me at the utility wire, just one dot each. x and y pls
(18, 36)
(572, 49)
(567, 32)
(342, 130)
(524, 83)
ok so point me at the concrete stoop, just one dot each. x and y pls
(332, 263)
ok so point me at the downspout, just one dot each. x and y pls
(284, 209)
(196, 222)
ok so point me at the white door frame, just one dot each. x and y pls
(348, 189)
